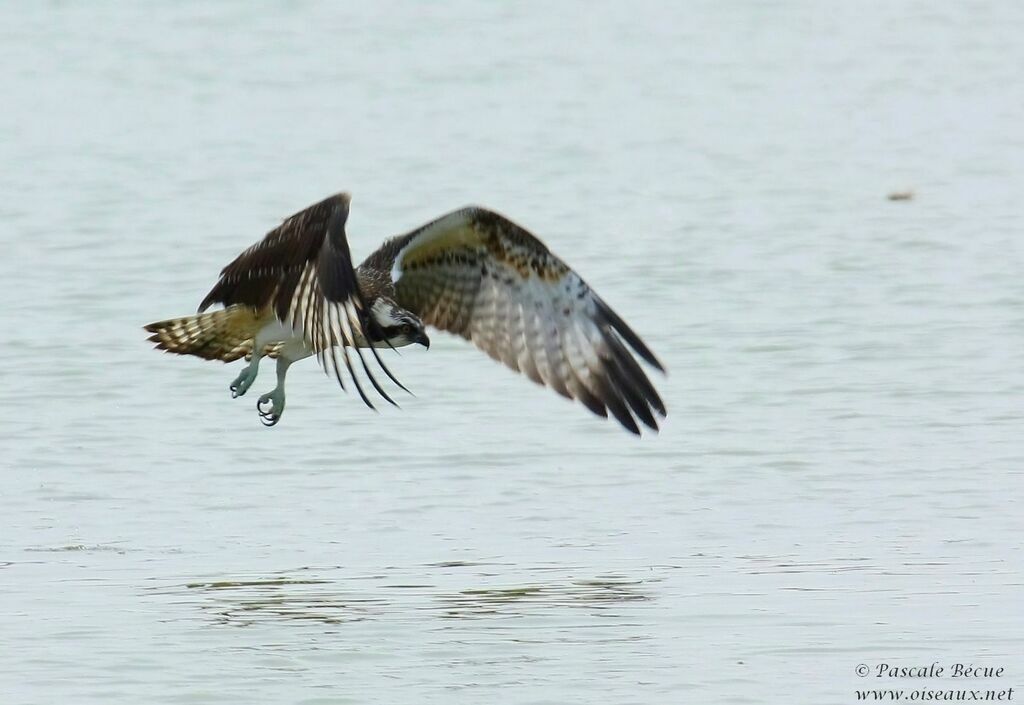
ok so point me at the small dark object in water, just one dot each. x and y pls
(901, 196)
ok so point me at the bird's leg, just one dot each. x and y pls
(243, 381)
(275, 398)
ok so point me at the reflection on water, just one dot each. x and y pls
(246, 602)
(337, 600)
(520, 600)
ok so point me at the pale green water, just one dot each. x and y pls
(839, 480)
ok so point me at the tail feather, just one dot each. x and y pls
(225, 335)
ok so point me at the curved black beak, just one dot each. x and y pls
(422, 339)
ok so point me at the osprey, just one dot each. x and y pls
(472, 272)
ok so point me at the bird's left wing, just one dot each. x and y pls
(475, 273)
(303, 270)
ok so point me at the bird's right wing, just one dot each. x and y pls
(475, 273)
(303, 270)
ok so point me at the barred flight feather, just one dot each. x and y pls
(475, 273)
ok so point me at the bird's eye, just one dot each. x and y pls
(406, 328)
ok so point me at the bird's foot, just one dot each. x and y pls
(242, 382)
(275, 407)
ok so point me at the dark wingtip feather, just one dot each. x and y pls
(632, 375)
(630, 393)
(373, 380)
(355, 380)
(629, 424)
(610, 396)
(388, 372)
(627, 333)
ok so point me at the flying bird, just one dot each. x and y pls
(472, 272)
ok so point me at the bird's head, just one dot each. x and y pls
(399, 327)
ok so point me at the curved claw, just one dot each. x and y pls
(267, 418)
(269, 409)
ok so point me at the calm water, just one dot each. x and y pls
(839, 480)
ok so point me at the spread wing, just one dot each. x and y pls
(302, 269)
(475, 273)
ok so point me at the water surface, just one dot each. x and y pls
(839, 478)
